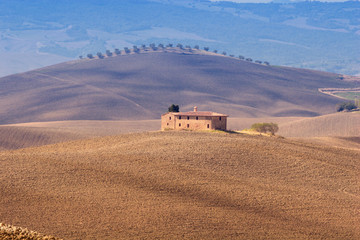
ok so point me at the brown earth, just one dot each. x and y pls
(142, 86)
(332, 128)
(331, 125)
(183, 185)
(15, 136)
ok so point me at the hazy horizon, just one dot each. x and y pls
(35, 34)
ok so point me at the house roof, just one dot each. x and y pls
(198, 114)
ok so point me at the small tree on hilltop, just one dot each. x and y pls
(99, 54)
(206, 48)
(265, 127)
(153, 46)
(108, 53)
(136, 49)
(173, 108)
(117, 51)
(197, 47)
(90, 56)
(127, 50)
(179, 46)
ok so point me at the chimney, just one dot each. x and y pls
(195, 109)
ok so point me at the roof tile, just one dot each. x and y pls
(200, 114)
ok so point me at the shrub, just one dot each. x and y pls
(117, 51)
(90, 56)
(346, 106)
(13, 232)
(265, 127)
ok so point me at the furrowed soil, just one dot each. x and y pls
(183, 185)
(36, 134)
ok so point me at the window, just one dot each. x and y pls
(197, 118)
(180, 117)
(169, 118)
(179, 124)
(167, 124)
(188, 125)
(220, 118)
(208, 126)
(188, 117)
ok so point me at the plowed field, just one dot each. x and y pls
(183, 185)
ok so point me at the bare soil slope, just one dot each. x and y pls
(24, 135)
(142, 86)
(337, 124)
(183, 185)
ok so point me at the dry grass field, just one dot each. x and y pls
(183, 185)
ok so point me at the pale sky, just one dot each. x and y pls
(267, 1)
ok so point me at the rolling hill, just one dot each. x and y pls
(142, 86)
(338, 124)
(33, 134)
(182, 185)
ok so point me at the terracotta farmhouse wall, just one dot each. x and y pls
(193, 120)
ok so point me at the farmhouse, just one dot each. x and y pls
(193, 120)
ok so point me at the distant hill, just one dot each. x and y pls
(142, 86)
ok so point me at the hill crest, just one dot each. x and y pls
(142, 86)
